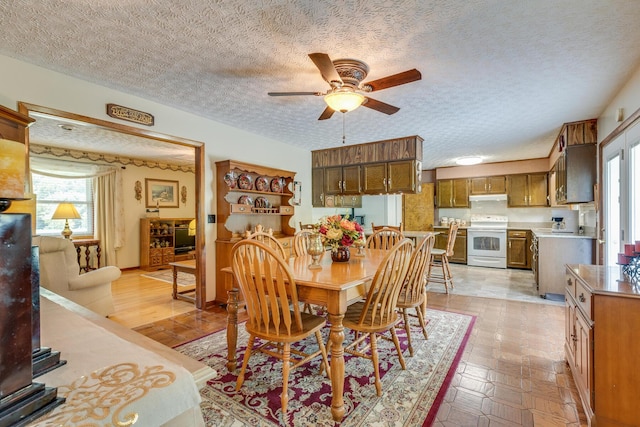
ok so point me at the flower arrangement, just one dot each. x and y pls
(337, 231)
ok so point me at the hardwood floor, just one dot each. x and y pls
(512, 372)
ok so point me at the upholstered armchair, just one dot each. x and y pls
(60, 273)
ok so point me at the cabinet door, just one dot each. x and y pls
(351, 180)
(375, 178)
(333, 180)
(538, 190)
(460, 193)
(459, 250)
(517, 190)
(517, 252)
(584, 353)
(401, 176)
(570, 330)
(496, 185)
(317, 187)
(444, 193)
(561, 178)
(478, 185)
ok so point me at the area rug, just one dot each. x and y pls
(410, 397)
(184, 279)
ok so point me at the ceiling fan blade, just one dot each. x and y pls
(380, 106)
(326, 114)
(324, 64)
(394, 80)
(293, 93)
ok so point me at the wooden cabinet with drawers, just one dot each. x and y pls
(518, 249)
(601, 343)
(157, 242)
(459, 246)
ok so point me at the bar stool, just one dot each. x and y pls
(440, 260)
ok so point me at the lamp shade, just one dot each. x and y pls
(343, 101)
(192, 228)
(66, 211)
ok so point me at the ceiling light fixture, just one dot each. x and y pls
(343, 101)
(468, 161)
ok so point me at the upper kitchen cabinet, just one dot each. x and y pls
(527, 190)
(488, 185)
(452, 193)
(389, 166)
(391, 177)
(575, 174)
(578, 133)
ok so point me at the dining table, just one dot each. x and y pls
(335, 285)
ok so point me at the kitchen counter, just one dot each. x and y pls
(547, 232)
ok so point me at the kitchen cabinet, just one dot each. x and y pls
(527, 190)
(263, 198)
(418, 213)
(518, 249)
(452, 193)
(575, 174)
(317, 187)
(343, 201)
(342, 180)
(488, 185)
(391, 177)
(459, 246)
(578, 133)
(602, 316)
(319, 196)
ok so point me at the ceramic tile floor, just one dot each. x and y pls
(512, 372)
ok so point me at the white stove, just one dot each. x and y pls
(489, 221)
(487, 241)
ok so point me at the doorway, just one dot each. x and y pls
(198, 147)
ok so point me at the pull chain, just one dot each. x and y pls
(343, 138)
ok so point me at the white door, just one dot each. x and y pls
(612, 202)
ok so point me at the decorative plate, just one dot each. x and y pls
(276, 185)
(245, 200)
(262, 184)
(245, 182)
(230, 178)
(262, 202)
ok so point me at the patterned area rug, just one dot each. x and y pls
(410, 397)
(184, 279)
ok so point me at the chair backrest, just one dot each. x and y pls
(307, 226)
(300, 241)
(386, 285)
(375, 228)
(267, 238)
(414, 283)
(451, 239)
(268, 288)
(385, 238)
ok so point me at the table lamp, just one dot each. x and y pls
(192, 228)
(12, 172)
(66, 211)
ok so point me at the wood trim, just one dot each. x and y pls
(622, 127)
(199, 149)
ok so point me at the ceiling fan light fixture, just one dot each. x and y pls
(468, 161)
(344, 101)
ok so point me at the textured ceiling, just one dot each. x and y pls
(498, 77)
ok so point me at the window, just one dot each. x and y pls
(51, 191)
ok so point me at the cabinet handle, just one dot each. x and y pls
(489, 187)
(509, 244)
(322, 197)
(569, 282)
(582, 298)
(344, 186)
(389, 183)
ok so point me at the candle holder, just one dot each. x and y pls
(359, 244)
(632, 269)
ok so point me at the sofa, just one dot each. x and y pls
(60, 273)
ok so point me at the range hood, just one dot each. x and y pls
(488, 197)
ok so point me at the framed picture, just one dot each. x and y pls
(161, 193)
(297, 193)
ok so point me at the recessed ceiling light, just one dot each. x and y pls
(467, 161)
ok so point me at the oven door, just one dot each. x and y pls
(487, 247)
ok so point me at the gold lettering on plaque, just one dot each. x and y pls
(129, 114)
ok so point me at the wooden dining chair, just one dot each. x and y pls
(440, 260)
(413, 293)
(399, 228)
(384, 238)
(267, 238)
(308, 226)
(274, 316)
(378, 313)
(300, 241)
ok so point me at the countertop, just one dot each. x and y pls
(546, 232)
(604, 280)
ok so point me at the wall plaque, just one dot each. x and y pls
(129, 114)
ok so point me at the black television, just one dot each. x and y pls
(184, 243)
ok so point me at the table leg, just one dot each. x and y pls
(175, 283)
(98, 250)
(232, 328)
(336, 336)
(87, 257)
(78, 249)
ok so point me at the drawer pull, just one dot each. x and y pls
(569, 282)
(582, 298)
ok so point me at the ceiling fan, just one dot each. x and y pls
(345, 77)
